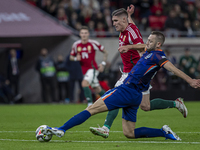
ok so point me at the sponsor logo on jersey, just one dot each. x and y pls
(84, 48)
(89, 49)
(163, 57)
(79, 49)
(124, 38)
(148, 56)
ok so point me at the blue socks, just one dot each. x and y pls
(145, 132)
(76, 120)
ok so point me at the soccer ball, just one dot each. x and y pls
(40, 136)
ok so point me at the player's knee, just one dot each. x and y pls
(129, 135)
(85, 83)
(145, 107)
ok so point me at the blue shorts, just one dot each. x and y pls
(125, 97)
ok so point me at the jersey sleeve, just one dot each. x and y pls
(160, 59)
(97, 46)
(134, 35)
(74, 50)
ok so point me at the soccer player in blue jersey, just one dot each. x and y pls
(128, 96)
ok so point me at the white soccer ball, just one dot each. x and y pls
(40, 136)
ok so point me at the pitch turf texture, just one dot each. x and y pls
(19, 122)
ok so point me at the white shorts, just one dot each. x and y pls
(91, 77)
(123, 77)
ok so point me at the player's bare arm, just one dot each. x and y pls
(130, 11)
(75, 58)
(126, 48)
(103, 63)
(195, 83)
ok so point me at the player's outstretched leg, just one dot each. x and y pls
(165, 131)
(104, 131)
(76, 120)
(159, 103)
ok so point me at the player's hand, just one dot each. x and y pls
(195, 83)
(123, 49)
(130, 9)
(101, 68)
(78, 56)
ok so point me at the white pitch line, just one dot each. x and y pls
(84, 131)
(63, 141)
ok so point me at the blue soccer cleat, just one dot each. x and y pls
(169, 134)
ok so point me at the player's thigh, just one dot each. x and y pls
(91, 77)
(98, 107)
(128, 128)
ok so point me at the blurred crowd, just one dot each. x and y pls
(175, 17)
(165, 80)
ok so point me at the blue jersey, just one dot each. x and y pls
(145, 69)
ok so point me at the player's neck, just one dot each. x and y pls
(84, 41)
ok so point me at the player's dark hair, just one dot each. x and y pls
(119, 12)
(160, 36)
(84, 28)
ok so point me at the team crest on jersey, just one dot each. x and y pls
(148, 56)
(89, 49)
(124, 38)
(79, 49)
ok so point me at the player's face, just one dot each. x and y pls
(84, 34)
(118, 23)
(151, 43)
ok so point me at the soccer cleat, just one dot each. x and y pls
(100, 131)
(169, 134)
(55, 131)
(181, 106)
(89, 104)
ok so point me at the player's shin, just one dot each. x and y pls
(145, 132)
(110, 118)
(76, 120)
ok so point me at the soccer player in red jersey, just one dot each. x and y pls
(130, 40)
(84, 50)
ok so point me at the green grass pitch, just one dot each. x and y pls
(19, 122)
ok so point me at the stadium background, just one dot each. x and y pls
(28, 27)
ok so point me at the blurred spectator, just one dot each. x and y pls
(197, 71)
(188, 29)
(196, 26)
(6, 94)
(172, 25)
(166, 7)
(62, 73)
(99, 18)
(62, 17)
(73, 19)
(91, 26)
(157, 21)
(46, 68)
(13, 73)
(108, 19)
(172, 81)
(144, 11)
(156, 6)
(50, 7)
(86, 15)
(188, 65)
(192, 14)
(76, 75)
(100, 30)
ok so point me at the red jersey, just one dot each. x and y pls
(87, 52)
(131, 35)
